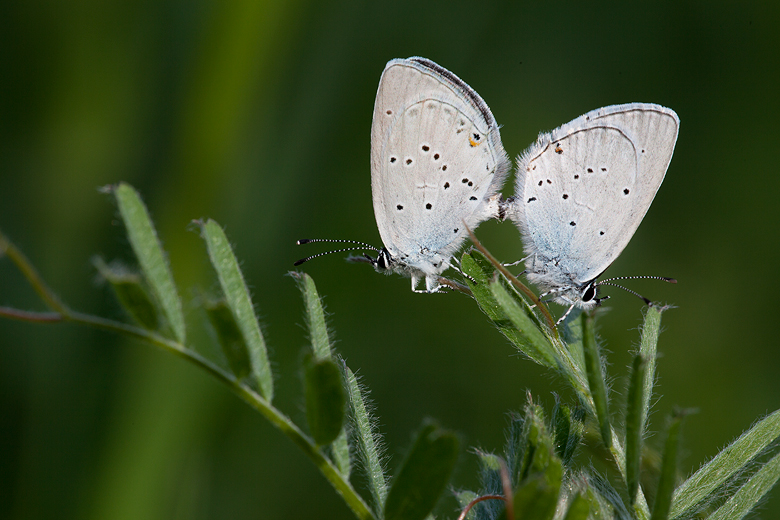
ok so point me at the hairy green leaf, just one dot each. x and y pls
(537, 496)
(367, 442)
(732, 460)
(324, 399)
(150, 255)
(511, 314)
(663, 497)
(568, 430)
(579, 508)
(230, 338)
(648, 349)
(131, 294)
(315, 316)
(753, 490)
(596, 382)
(423, 476)
(634, 426)
(237, 297)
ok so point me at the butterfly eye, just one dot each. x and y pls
(589, 294)
(382, 260)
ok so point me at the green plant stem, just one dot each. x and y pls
(275, 416)
(8, 249)
(33, 317)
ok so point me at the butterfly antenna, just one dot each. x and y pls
(648, 302)
(310, 240)
(363, 246)
(662, 278)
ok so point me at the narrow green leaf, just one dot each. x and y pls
(321, 347)
(537, 496)
(516, 446)
(605, 501)
(324, 399)
(367, 441)
(423, 476)
(240, 303)
(598, 387)
(515, 319)
(532, 343)
(230, 338)
(540, 451)
(150, 255)
(568, 429)
(579, 508)
(131, 293)
(663, 497)
(634, 425)
(571, 331)
(315, 316)
(746, 498)
(340, 451)
(648, 349)
(492, 482)
(527, 340)
(699, 487)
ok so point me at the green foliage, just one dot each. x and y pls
(663, 499)
(634, 425)
(131, 293)
(512, 315)
(240, 303)
(424, 475)
(150, 255)
(596, 381)
(744, 500)
(367, 441)
(229, 336)
(315, 316)
(536, 495)
(324, 394)
(736, 460)
(578, 508)
(538, 476)
(569, 429)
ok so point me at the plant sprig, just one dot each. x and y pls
(537, 475)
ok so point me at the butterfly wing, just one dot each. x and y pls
(436, 161)
(583, 189)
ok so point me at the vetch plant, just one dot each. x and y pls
(538, 476)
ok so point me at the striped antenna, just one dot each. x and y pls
(662, 278)
(363, 247)
(647, 301)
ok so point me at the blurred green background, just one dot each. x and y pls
(257, 114)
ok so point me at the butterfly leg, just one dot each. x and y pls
(415, 283)
(560, 320)
(551, 291)
(432, 284)
(456, 265)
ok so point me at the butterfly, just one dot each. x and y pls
(437, 165)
